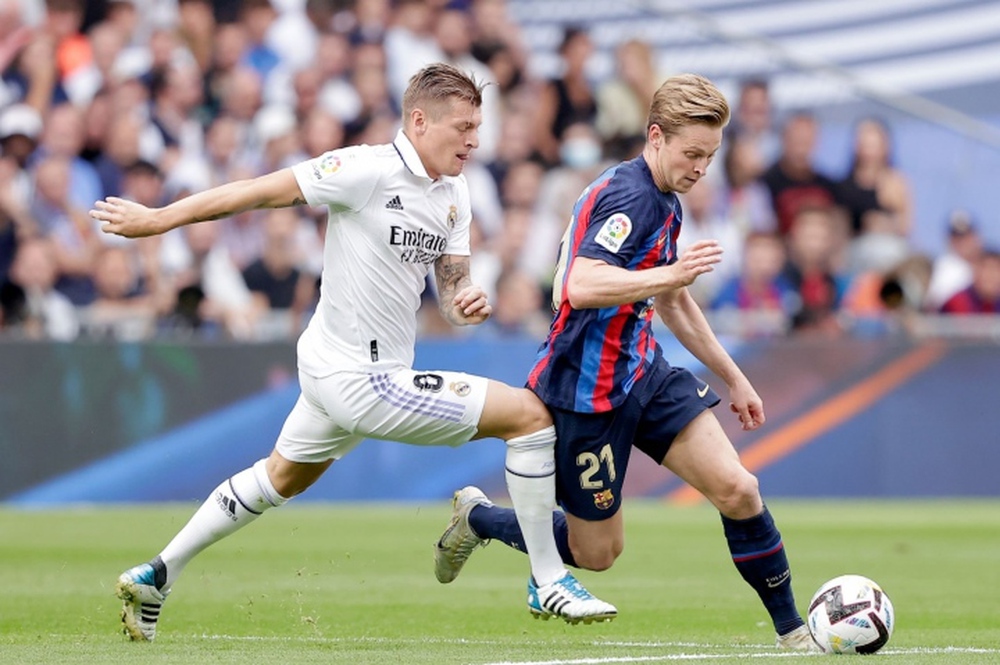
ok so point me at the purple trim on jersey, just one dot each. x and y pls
(593, 357)
(425, 405)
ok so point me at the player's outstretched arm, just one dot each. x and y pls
(593, 283)
(461, 302)
(134, 220)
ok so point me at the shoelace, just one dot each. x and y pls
(574, 587)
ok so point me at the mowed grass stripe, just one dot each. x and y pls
(354, 584)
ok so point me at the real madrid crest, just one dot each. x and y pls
(452, 216)
(460, 388)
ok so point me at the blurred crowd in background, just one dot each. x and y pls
(152, 100)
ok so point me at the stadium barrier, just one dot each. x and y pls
(112, 422)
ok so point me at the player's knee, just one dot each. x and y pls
(598, 558)
(740, 497)
(533, 416)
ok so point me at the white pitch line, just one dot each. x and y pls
(680, 657)
(609, 660)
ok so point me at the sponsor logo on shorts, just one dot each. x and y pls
(460, 388)
(604, 499)
(431, 383)
(702, 391)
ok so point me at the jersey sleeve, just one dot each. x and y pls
(618, 228)
(458, 239)
(342, 179)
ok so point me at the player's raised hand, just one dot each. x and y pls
(697, 259)
(128, 218)
(471, 306)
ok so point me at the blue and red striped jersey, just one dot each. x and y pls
(592, 357)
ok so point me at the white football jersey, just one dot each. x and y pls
(388, 223)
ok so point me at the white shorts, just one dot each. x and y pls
(335, 413)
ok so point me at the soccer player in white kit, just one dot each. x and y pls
(394, 211)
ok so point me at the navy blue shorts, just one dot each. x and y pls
(592, 450)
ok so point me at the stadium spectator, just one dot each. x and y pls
(566, 99)
(28, 71)
(197, 30)
(120, 149)
(20, 126)
(874, 184)
(74, 236)
(792, 180)
(453, 30)
(356, 353)
(623, 265)
(320, 132)
(812, 270)
(274, 278)
(195, 257)
(742, 198)
(177, 112)
(983, 295)
(122, 309)
(34, 308)
(703, 221)
(754, 118)
(952, 271)
(334, 60)
(16, 222)
(518, 311)
(758, 301)
(63, 136)
(623, 100)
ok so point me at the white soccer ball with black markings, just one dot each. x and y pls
(851, 614)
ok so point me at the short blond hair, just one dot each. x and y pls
(436, 84)
(687, 99)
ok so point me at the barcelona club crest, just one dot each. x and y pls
(604, 499)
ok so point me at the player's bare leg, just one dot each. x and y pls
(703, 456)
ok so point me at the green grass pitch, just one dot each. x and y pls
(354, 584)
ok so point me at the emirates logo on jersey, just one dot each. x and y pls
(417, 246)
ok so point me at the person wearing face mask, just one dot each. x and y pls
(581, 159)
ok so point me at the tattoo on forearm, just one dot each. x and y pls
(209, 218)
(452, 274)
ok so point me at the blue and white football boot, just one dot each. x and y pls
(141, 600)
(567, 599)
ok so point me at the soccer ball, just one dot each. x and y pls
(851, 614)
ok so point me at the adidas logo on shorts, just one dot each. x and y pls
(394, 204)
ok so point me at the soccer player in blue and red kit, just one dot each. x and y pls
(604, 378)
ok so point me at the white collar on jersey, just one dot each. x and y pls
(409, 155)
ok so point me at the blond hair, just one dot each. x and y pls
(687, 99)
(436, 84)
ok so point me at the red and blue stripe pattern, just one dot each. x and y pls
(593, 357)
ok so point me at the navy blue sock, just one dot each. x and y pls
(496, 523)
(760, 557)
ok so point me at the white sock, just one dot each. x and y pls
(236, 502)
(530, 472)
